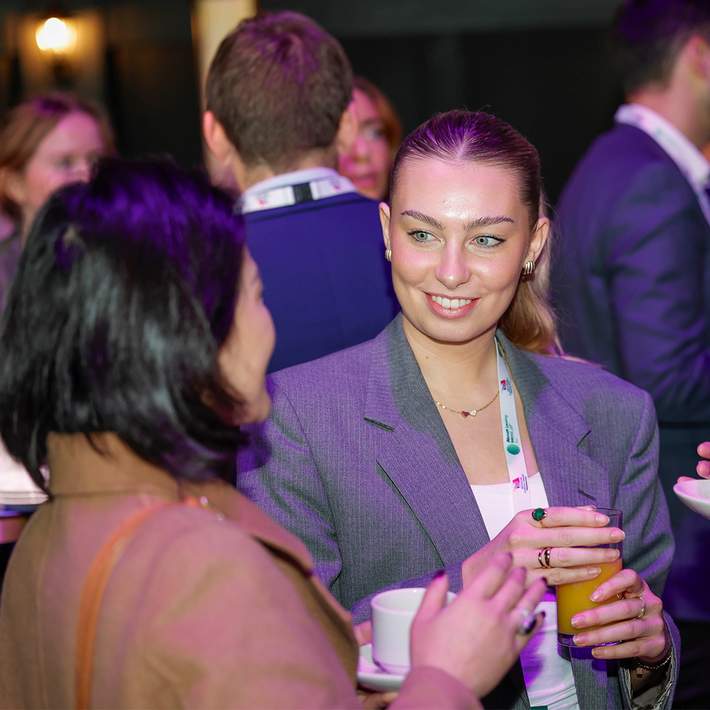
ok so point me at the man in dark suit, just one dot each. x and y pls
(631, 277)
(278, 92)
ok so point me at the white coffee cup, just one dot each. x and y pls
(392, 614)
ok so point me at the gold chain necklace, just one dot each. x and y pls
(467, 412)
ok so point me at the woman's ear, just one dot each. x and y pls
(540, 234)
(385, 222)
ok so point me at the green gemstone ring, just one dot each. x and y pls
(538, 514)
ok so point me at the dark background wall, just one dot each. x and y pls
(540, 64)
(543, 65)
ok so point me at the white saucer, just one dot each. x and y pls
(695, 493)
(370, 675)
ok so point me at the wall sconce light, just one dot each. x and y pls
(56, 35)
(56, 38)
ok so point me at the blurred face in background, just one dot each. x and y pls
(367, 163)
(64, 155)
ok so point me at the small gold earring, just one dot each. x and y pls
(528, 269)
(388, 254)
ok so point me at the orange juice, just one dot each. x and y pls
(574, 598)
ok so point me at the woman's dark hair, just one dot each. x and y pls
(125, 291)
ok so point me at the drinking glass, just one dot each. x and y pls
(574, 598)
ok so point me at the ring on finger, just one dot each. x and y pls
(543, 557)
(527, 622)
(639, 596)
(642, 612)
(538, 514)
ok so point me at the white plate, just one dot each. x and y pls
(695, 493)
(29, 498)
(370, 675)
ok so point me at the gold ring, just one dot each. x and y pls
(543, 557)
(642, 613)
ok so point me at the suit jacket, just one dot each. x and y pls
(206, 607)
(356, 461)
(326, 281)
(631, 283)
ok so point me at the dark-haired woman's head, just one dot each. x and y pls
(136, 310)
(465, 228)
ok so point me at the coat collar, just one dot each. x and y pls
(111, 468)
(398, 401)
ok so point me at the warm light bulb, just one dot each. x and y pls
(55, 35)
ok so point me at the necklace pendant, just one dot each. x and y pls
(464, 413)
(473, 412)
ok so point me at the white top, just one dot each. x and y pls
(548, 676)
(276, 191)
(690, 161)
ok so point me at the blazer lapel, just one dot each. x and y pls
(557, 431)
(415, 452)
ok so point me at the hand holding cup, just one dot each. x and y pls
(563, 546)
(480, 634)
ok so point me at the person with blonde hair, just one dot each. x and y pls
(45, 142)
(456, 433)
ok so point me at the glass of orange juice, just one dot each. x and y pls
(574, 598)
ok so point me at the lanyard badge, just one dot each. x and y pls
(512, 443)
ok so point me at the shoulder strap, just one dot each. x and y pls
(92, 595)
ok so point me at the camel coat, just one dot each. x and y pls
(207, 607)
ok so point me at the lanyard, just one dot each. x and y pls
(512, 443)
(286, 195)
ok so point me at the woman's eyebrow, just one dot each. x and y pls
(488, 221)
(423, 218)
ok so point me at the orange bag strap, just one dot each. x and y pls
(92, 595)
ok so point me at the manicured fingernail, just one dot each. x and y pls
(613, 554)
(593, 571)
(617, 535)
(579, 639)
(596, 596)
(577, 620)
(601, 518)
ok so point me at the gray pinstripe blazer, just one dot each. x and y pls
(355, 460)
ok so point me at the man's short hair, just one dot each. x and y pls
(648, 34)
(278, 85)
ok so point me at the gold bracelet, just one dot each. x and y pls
(639, 666)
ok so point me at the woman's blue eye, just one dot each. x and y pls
(419, 236)
(487, 241)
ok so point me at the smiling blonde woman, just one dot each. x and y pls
(432, 445)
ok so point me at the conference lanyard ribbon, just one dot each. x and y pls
(512, 443)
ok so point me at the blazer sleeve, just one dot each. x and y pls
(278, 472)
(648, 546)
(655, 254)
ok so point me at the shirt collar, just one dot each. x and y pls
(293, 178)
(691, 162)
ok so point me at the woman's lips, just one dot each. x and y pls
(450, 307)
